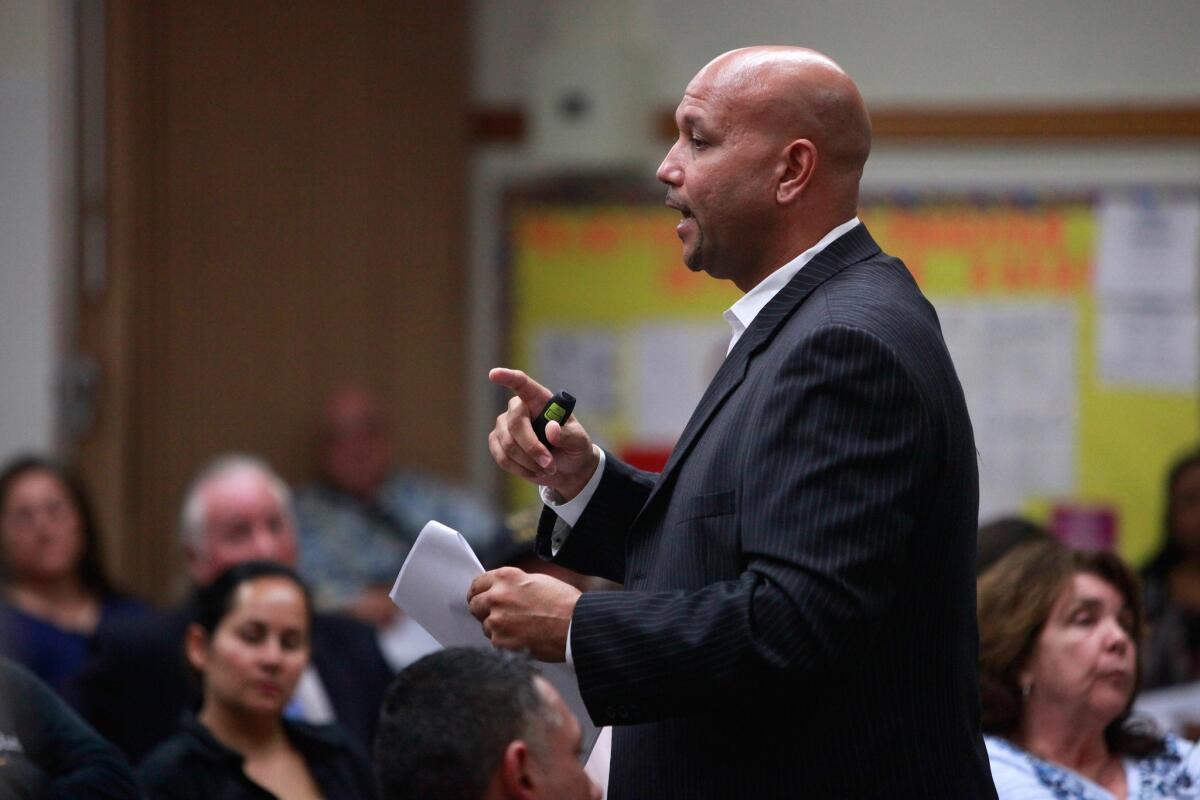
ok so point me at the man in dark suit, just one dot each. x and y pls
(134, 685)
(798, 617)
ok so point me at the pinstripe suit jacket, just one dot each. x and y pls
(798, 618)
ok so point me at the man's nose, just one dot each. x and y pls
(669, 171)
(266, 544)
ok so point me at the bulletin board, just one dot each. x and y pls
(1072, 320)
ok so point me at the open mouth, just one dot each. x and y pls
(671, 202)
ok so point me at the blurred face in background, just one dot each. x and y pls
(254, 658)
(1185, 510)
(244, 519)
(357, 456)
(40, 529)
(1085, 658)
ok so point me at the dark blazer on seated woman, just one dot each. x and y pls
(136, 714)
(193, 764)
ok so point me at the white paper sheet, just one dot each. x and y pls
(673, 364)
(404, 641)
(432, 586)
(432, 589)
(1173, 708)
(581, 361)
(1147, 346)
(1148, 246)
(1016, 361)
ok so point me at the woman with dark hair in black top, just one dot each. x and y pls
(250, 645)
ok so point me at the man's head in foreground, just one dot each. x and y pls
(476, 725)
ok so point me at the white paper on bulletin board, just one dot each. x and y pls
(1148, 246)
(673, 364)
(1016, 362)
(1148, 346)
(582, 361)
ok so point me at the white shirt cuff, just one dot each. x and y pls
(571, 510)
(570, 660)
(569, 513)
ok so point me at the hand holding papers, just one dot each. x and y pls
(524, 611)
(432, 589)
(432, 586)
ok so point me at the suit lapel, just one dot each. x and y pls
(856, 245)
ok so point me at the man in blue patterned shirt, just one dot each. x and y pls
(358, 522)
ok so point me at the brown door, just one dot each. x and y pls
(285, 211)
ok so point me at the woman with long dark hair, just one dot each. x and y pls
(53, 590)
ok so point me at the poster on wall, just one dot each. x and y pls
(1079, 401)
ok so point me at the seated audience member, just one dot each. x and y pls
(358, 522)
(54, 589)
(46, 750)
(250, 644)
(1172, 583)
(134, 684)
(1003, 534)
(473, 724)
(1058, 656)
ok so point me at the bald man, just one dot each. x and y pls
(798, 613)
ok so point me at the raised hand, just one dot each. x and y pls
(515, 447)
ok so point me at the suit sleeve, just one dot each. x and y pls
(829, 488)
(596, 545)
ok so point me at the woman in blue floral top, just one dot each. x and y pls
(1058, 655)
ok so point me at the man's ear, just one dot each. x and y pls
(193, 563)
(799, 165)
(517, 771)
(195, 647)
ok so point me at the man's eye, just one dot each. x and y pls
(698, 143)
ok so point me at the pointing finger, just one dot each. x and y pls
(530, 391)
